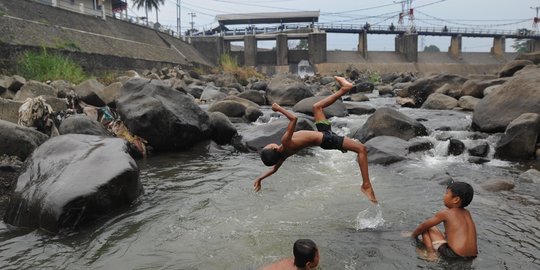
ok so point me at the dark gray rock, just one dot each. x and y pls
(419, 145)
(498, 185)
(420, 89)
(362, 87)
(34, 89)
(230, 108)
(390, 122)
(306, 106)
(222, 129)
(386, 150)
(259, 85)
(443, 179)
(252, 114)
(521, 94)
(81, 124)
(19, 141)
(258, 137)
(456, 147)
(438, 101)
(359, 109)
(519, 139)
(481, 150)
(88, 92)
(254, 96)
(513, 66)
(72, 180)
(152, 111)
(287, 90)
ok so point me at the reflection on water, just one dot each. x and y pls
(199, 211)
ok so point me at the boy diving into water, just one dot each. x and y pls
(274, 155)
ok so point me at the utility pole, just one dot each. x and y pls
(192, 14)
(406, 11)
(536, 19)
(178, 21)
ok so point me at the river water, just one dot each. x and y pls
(199, 211)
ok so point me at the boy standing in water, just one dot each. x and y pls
(459, 241)
(274, 155)
(306, 256)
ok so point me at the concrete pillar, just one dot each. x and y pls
(226, 46)
(499, 46)
(533, 45)
(407, 44)
(103, 10)
(250, 50)
(282, 50)
(362, 44)
(54, 3)
(317, 48)
(455, 47)
(81, 8)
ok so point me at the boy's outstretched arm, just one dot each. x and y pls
(257, 183)
(433, 221)
(286, 139)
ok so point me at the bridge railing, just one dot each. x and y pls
(379, 28)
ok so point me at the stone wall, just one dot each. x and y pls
(29, 24)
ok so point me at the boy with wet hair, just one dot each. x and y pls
(306, 256)
(459, 240)
(274, 155)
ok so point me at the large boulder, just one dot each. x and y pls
(468, 102)
(9, 110)
(109, 93)
(287, 90)
(359, 109)
(230, 108)
(389, 122)
(533, 57)
(386, 150)
(511, 67)
(89, 91)
(521, 94)
(306, 106)
(19, 141)
(476, 88)
(519, 139)
(212, 93)
(222, 129)
(71, 180)
(34, 89)
(258, 137)
(166, 118)
(420, 89)
(82, 124)
(254, 96)
(437, 101)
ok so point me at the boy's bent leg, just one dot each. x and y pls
(329, 100)
(360, 150)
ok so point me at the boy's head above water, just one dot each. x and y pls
(458, 195)
(270, 155)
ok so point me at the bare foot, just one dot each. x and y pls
(345, 85)
(368, 191)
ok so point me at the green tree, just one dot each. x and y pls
(520, 44)
(431, 48)
(149, 5)
(302, 45)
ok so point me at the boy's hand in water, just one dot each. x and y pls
(257, 185)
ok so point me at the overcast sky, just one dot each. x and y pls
(485, 14)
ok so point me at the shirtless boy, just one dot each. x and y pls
(459, 241)
(306, 256)
(274, 155)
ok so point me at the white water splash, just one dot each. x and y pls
(370, 218)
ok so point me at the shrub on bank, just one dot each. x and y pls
(45, 66)
(229, 64)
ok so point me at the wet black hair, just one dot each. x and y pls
(304, 251)
(270, 156)
(463, 190)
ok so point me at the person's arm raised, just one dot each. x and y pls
(286, 139)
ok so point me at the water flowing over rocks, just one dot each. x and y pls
(389, 122)
(71, 180)
(152, 110)
(19, 141)
(520, 94)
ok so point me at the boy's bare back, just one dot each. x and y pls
(460, 231)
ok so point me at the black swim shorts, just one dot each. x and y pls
(448, 253)
(330, 139)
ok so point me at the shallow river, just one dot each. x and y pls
(199, 211)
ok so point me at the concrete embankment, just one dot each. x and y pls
(96, 43)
